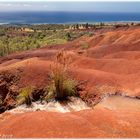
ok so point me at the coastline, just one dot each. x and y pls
(67, 17)
(72, 23)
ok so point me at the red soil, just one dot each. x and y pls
(98, 123)
(112, 59)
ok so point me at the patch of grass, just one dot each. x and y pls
(51, 93)
(85, 46)
(90, 34)
(25, 96)
(70, 87)
(61, 85)
(1, 101)
(55, 41)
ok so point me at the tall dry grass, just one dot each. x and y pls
(61, 85)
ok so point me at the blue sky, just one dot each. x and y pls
(88, 6)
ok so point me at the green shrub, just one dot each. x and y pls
(25, 96)
(68, 36)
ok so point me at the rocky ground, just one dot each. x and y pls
(110, 64)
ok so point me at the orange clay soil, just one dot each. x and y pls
(98, 123)
(112, 60)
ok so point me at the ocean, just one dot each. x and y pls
(65, 17)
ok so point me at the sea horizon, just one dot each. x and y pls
(51, 17)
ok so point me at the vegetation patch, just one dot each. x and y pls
(26, 37)
(55, 41)
(61, 85)
(25, 96)
(85, 46)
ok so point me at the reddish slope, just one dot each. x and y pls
(112, 59)
(118, 62)
(97, 72)
(97, 123)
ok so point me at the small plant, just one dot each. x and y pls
(1, 101)
(68, 36)
(61, 85)
(90, 34)
(85, 46)
(25, 96)
(51, 93)
(70, 87)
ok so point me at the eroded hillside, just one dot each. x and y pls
(108, 62)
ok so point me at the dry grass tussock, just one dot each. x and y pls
(61, 85)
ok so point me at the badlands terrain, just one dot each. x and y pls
(109, 102)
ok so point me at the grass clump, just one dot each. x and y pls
(51, 93)
(70, 87)
(85, 46)
(25, 96)
(55, 41)
(61, 85)
(90, 34)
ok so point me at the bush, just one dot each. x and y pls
(68, 36)
(85, 46)
(90, 34)
(25, 96)
(61, 85)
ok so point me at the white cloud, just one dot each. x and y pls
(14, 4)
(26, 5)
(9, 4)
(5, 4)
(45, 6)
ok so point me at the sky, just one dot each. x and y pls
(70, 6)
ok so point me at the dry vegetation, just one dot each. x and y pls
(61, 84)
(25, 96)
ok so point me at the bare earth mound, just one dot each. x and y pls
(99, 123)
(111, 62)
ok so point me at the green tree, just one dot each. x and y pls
(87, 26)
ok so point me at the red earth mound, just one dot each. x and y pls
(112, 59)
(98, 123)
